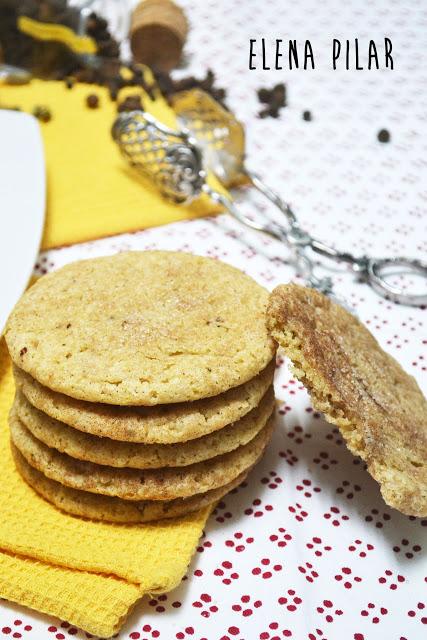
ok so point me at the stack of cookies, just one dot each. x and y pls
(144, 384)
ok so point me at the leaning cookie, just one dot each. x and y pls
(379, 409)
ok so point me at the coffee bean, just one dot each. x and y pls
(92, 101)
(42, 113)
(130, 103)
(168, 86)
(383, 135)
(306, 115)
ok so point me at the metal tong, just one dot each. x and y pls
(174, 161)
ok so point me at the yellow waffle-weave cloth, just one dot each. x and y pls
(91, 191)
(88, 573)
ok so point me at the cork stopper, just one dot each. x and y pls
(157, 33)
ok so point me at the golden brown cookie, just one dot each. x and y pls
(109, 452)
(97, 507)
(135, 484)
(380, 410)
(142, 328)
(162, 424)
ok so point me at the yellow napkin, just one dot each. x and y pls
(91, 192)
(88, 573)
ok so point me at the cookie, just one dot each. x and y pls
(104, 451)
(97, 507)
(379, 409)
(162, 424)
(142, 328)
(134, 484)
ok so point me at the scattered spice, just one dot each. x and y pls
(138, 80)
(54, 60)
(23, 351)
(306, 115)
(97, 28)
(92, 101)
(113, 89)
(383, 135)
(50, 59)
(108, 71)
(130, 103)
(168, 86)
(274, 98)
(42, 113)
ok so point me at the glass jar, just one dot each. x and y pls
(56, 38)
